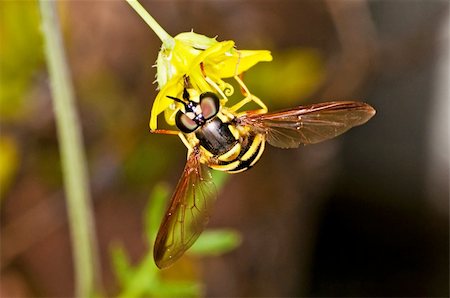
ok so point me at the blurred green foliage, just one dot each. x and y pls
(292, 76)
(20, 54)
(103, 94)
(215, 242)
(9, 160)
(142, 166)
(145, 279)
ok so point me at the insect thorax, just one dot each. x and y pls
(228, 146)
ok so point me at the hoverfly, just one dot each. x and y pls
(220, 138)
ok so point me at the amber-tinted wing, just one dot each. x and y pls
(309, 124)
(187, 214)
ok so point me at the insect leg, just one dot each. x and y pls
(248, 98)
(180, 135)
(244, 90)
(164, 131)
(186, 143)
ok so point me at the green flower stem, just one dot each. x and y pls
(73, 160)
(151, 22)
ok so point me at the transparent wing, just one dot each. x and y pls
(309, 124)
(187, 214)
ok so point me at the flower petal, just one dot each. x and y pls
(232, 64)
(196, 41)
(186, 56)
(162, 102)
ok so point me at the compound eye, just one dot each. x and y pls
(209, 102)
(184, 123)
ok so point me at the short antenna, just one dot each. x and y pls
(177, 99)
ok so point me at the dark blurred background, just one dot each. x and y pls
(365, 214)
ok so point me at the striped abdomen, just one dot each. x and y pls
(229, 148)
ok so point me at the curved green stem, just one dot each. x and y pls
(151, 22)
(73, 159)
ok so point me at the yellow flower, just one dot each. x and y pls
(185, 55)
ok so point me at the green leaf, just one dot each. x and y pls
(216, 242)
(178, 289)
(143, 280)
(155, 210)
(219, 178)
(121, 265)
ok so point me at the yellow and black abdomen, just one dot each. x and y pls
(229, 148)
